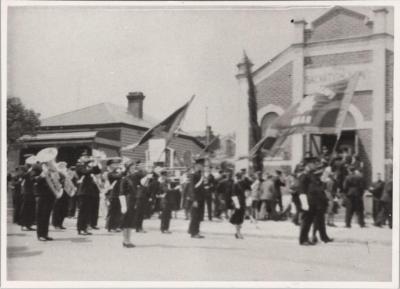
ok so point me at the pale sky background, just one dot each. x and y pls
(65, 58)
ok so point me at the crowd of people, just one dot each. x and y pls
(44, 190)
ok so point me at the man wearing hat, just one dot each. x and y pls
(86, 189)
(311, 189)
(197, 199)
(353, 188)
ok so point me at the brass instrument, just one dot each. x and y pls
(69, 186)
(47, 157)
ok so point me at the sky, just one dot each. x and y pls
(65, 58)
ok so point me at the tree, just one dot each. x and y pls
(255, 130)
(20, 120)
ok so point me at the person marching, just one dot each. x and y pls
(60, 209)
(309, 186)
(321, 204)
(47, 188)
(114, 176)
(239, 201)
(142, 200)
(16, 186)
(197, 199)
(130, 186)
(28, 206)
(85, 170)
(164, 194)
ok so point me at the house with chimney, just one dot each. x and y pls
(106, 127)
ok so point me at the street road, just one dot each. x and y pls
(269, 252)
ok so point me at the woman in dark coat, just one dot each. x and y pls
(239, 202)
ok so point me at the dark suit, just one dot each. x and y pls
(86, 190)
(376, 190)
(44, 205)
(311, 185)
(353, 188)
(197, 199)
(114, 215)
(28, 206)
(209, 187)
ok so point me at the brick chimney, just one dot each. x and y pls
(135, 103)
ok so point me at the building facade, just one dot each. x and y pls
(334, 46)
(106, 127)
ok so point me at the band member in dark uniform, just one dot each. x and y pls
(130, 185)
(27, 217)
(239, 202)
(73, 200)
(85, 170)
(95, 202)
(60, 209)
(114, 176)
(197, 200)
(16, 186)
(47, 188)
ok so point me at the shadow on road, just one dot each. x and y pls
(74, 240)
(16, 235)
(190, 247)
(21, 251)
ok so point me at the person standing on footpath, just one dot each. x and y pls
(255, 196)
(353, 188)
(376, 190)
(278, 183)
(197, 200)
(386, 206)
(268, 198)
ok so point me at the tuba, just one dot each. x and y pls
(47, 157)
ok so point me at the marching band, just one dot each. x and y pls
(52, 190)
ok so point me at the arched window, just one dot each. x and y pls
(267, 120)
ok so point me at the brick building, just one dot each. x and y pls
(333, 47)
(105, 127)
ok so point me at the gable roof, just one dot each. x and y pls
(333, 12)
(102, 113)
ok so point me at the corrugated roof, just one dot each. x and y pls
(60, 135)
(102, 113)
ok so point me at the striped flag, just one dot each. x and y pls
(165, 129)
